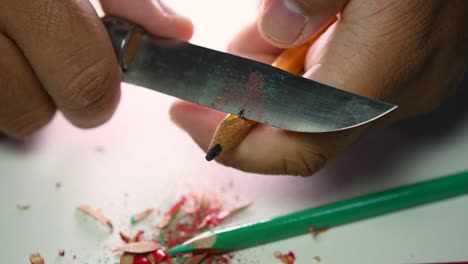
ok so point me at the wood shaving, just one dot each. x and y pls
(23, 207)
(125, 237)
(96, 214)
(196, 259)
(196, 202)
(35, 258)
(135, 238)
(318, 231)
(215, 220)
(99, 148)
(127, 258)
(139, 247)
(317, 258)
(288, 258)
(171, 213)
(141, 216)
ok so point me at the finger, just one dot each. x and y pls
(200, 122)
(266, 149)
(24, 105)
(379, 57)
(154, 16)
(250, 42)
(285, 23)
(69, 50)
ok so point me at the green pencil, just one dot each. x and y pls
(326, 216)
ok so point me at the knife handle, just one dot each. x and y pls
(125, 37)
(233, 129)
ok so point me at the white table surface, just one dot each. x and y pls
(147, 161)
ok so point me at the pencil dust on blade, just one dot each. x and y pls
(232, 84)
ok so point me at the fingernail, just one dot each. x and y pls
(283, 21)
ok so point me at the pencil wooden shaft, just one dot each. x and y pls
(233, 129)
(339, 213)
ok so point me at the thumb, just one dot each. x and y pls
(286, 23)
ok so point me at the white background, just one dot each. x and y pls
(148, 162)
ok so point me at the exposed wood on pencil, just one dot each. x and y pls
(230, 132)
(233, 129)
(96, 214)
(204, 240)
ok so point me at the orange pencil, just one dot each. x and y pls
(233, 129)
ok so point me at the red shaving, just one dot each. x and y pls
(213, 220)
(141, 260)
(288, 258)
(169, 215)
(61, 253)
(159, 255)
(187, 217)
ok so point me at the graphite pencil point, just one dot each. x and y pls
(213, 152)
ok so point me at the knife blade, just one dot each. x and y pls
(236, 85)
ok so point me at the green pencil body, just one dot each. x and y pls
(334, 214)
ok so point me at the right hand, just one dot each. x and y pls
(408, 52)
(57, 55)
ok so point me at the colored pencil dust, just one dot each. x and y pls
(188, 216)
(233, 129)
(319, 219)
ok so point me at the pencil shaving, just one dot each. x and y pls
(213, 220)
(171, 213)
(23, 207)
(127, 259)
(36, 258)
(288, 258)
(318, 231)
(124, 237)
(136, 238)
(138, 247)
(195, 202)
(96, 214)
(196, 259)
(142, 216)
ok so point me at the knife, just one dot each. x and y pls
(236, 85)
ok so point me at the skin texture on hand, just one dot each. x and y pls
(408, 52)
(57, 55)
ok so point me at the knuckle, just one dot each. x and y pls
(303, 162)
(89, 85)
(25, 124)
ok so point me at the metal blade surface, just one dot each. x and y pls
(251, 89)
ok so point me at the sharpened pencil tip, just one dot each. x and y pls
(213, 152)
